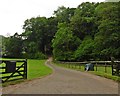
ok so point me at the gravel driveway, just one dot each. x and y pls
(65, 81)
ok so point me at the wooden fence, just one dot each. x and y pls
(106, 66)
(11, 70)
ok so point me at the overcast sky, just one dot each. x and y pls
(13, 13)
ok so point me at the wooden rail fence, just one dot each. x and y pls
(115, 65)
(11, 70)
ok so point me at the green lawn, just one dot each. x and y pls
(100, 70)
(35, 69)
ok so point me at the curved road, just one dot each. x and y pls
(65, 81)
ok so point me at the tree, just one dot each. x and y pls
(2, 45)
(40, 30)
(13, 46)
(64, 43)
(83, 21)
(90, 31)
(64, 14)
(107, 40)
(35, 31)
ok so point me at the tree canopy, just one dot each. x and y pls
(90, 31)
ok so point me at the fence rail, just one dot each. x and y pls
(11, 70)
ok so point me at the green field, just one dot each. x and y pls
(100, 70)
(35, 69)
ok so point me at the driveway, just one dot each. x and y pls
(65, 81)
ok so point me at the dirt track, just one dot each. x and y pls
(65, 81)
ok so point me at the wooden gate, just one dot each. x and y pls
(13, 70)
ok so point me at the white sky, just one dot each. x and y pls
(15, 12)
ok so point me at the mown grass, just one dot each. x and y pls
(99, 72)
(35, 69)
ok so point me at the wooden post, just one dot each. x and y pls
(112, 64)
(112, 69)
(117, 69)
(96, 66)
(105, 68)
(25, 69)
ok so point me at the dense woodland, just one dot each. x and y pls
(88, 32)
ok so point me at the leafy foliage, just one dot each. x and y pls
(90, 31)
(64, 43)
(13, 46)
(84, 50)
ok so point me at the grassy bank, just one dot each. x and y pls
(35, 69)
(100, 70)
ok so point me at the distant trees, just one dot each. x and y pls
(13, 46)
(38, 33)
(2, 45)
(90, 31)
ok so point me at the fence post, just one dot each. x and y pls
(112, 68)
(105, 68)
(25, 69)
(96, 66)
(112, 64)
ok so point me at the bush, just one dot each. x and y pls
(38, 55)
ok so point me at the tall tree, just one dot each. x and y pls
(107, 40)
(35, 31)
(13, 46)
(64, 43)
(39, 31)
